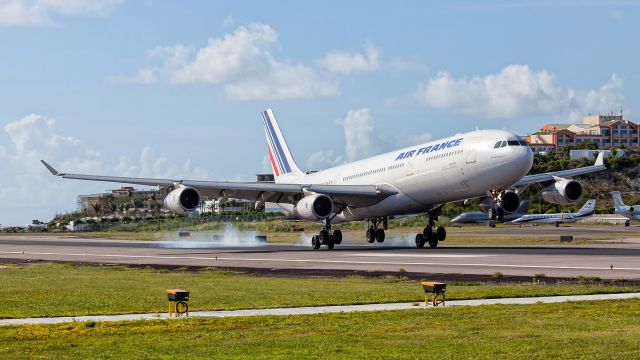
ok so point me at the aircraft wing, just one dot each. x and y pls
(345, 195)
(538, 178)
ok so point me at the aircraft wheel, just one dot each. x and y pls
(433, 242)
(324, 237)
(491, 213)
(627, 223)
(371, 236)
(557, 224)
(441, 233)
(380, 235)
(315, 242)
(427, 233)
(492, 223)
(330, 244)
(419, 241)
(337, 237)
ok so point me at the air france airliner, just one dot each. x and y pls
(413, 180)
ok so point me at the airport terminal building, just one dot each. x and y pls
(607, 131)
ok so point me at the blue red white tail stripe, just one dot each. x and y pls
(277, 155)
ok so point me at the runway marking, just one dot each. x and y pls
(424, 255)
(219, 258)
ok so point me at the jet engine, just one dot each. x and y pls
(563, 192)
(314, 207)
(182, 199)
(509, 201)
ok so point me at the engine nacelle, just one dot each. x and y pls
(509, 201)
(182, 199)
(563, 192)
(314, 207)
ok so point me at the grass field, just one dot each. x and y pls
(580, 330)
(57, 290)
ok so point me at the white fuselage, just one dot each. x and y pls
(548, 218)
(459, 167)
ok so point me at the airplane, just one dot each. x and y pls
(481, 217)
(413, 180)
(632, 212)
(587, 209)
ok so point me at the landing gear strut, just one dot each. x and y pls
(374, 233)
(429, 235)
(326, 237)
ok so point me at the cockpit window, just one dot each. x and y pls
(513, 143)
(497, 145)
(504, 143)
(523, 143)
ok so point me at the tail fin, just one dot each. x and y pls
(284, 167)
(617, 201)
(588, 208)
(524, 207)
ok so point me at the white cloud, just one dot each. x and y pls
(29, 190)
(346, 63)
(15, 13)
(517, 90)
(360, 138)
(228, 21)
(242, 63)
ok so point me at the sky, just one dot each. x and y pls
(174, 89)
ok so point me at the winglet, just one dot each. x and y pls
(51, 169)
(600, 159)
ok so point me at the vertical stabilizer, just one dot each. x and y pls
(588, 208)
(617, 201)
(282, 163)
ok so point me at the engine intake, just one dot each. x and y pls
(183, 199)
(563, 192)
(509, 201)
(314, 207)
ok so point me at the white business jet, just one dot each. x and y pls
(629, 211)
(412, 180)
(559, 218)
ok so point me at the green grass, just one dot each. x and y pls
(580, 330)
(71, 290)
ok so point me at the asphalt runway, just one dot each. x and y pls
(553, 261)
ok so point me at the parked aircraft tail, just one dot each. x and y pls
(588, 208)
(282, 163)
(617, 201)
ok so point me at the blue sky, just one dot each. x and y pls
(175, 88)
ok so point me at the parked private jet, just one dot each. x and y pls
(412, 180)
(629, 211)
(560, 218)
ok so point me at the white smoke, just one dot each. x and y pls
(231, 237)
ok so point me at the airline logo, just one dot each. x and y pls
(277, 155)
(429, 149)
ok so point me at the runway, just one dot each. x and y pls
(610, 261)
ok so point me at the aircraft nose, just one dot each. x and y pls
(523, 156)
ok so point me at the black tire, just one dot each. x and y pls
(337, 237)
(330, 244)
(315, 242)
(182, 307)
(433, 242)
(627, 223)
(557, 224)
(492, 223)
(441, 233)
(427, 233)
(492, 214)
(419, 241)
(371, 236)
(380, 235)
(324, 237)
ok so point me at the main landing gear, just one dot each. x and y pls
(429, 235)
(325, 237)
(374, 233)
